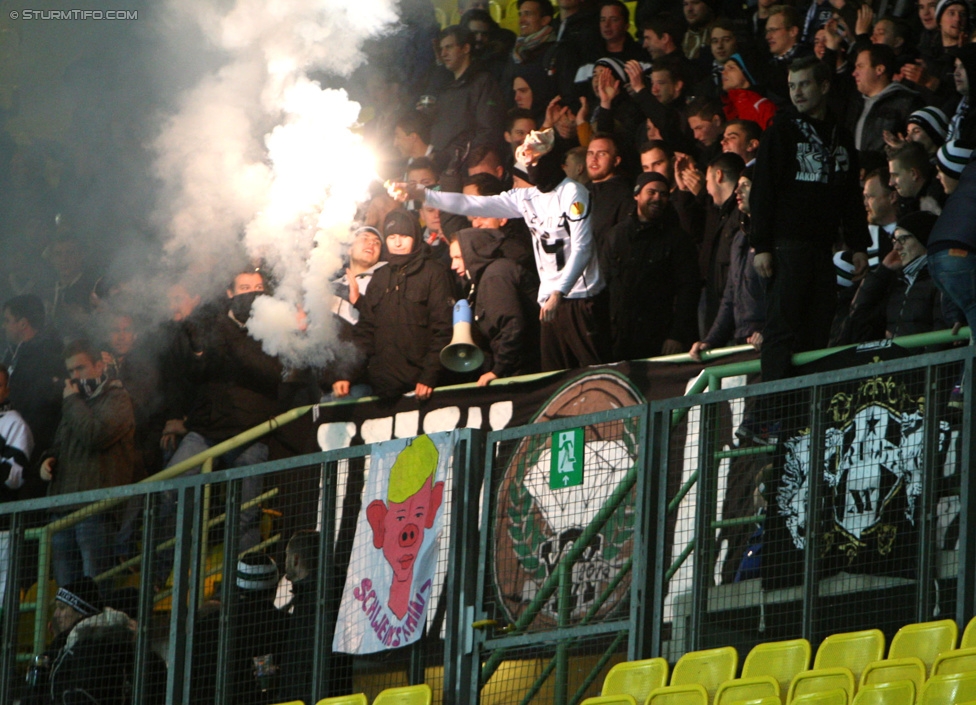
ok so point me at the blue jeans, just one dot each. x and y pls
(83, 549)
(250, 519)
(955, 275)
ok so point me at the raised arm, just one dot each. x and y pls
(504, 205)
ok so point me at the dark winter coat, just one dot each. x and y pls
(806, 185)
(578, 34)
(469, 111)
(652, 273)
(237, 382)
(35, 390)
(668, 119)
(889, 112)
(905, 311)
(954, 228)
(611, 201)
(295, 676)
(504, 303)
(715, 254)
(742, 310)
(95, 442)
(259, 629)
(405, 321)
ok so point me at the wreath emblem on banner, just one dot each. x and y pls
(535, 525)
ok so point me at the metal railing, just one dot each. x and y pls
(43, 534)
(477, 642)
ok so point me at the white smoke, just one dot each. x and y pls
(261, 155)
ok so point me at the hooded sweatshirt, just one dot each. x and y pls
(806, 185)
(503, 301)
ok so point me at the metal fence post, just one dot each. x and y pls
(460, 676)
(649, 586)
(146, 594)
(205, 469)
(11, 608)
(814, 528)
(43, 579)
(562, 647)
(704, 534)
(228, 598)
(966, 582)
(183, 602)
(925, 509)
(325, 591)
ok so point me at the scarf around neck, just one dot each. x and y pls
(524, 45)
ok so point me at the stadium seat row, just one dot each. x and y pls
(923, 666)
(409, 695)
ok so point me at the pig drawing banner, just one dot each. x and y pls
(391, 578)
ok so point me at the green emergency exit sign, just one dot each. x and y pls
(566, 469)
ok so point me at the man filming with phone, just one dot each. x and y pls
(93, 449)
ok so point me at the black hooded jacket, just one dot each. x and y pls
(236, 381)
(405, 321)
(503, 303)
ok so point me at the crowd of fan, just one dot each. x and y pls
(762, 174)
(786, 177)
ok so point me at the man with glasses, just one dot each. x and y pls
(783, 39)
(901, 291)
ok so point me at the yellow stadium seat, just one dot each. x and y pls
(678, 695)
(622, 699)
(780, 659)
(772, 700)
(895, 669)
(510, 20)
(408, 695)
(851, 650)
(495, 10)
(632, 8)
(969, 635)
(948, 689)
(821, 680)
(824, 697)
(959, 661)
(636, 678)
(709, 668)
(925, 640)
(441, 17)
(895, 693)
(357, 699)
(739, 689)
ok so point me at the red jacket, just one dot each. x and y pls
(742, 104)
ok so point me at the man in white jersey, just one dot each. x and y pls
(574, 307)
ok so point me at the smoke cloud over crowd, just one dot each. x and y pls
(260, 163)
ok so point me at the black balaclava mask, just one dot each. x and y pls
(240, 305)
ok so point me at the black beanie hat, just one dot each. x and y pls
(82, 596)
(400, 222)
(646, 177)
(919, 224)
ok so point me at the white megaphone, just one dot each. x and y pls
(462, 355)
